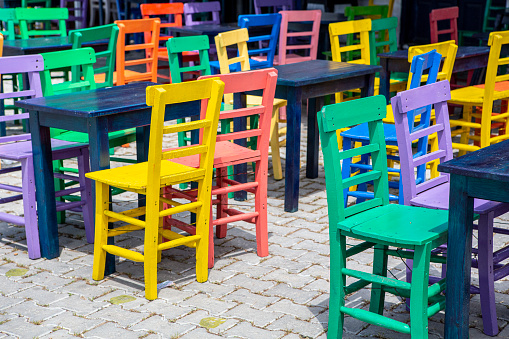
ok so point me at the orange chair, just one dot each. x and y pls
(123, 76)
(228, 153)
(169, 10)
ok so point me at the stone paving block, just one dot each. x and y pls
(72, 323)
(313, 246)
(81, 272)
(214, 290)
(248, 331)
(139, 299)
(216, 276)
(303, 312)
(214, 323)
(314, 236)
(254, 271)
(9, 267)
(321, 285)
(200, 333)
(163, 308)
(79, 305)
(20, 327)
(296, 295)
(123, 283)
(174, 295)
(302, 328)
(288, 253)
(292, 266)
(317, 271)
(56, 267)
(33, 312)
(6, 302)
(110, 330)
(259, 318)
(48, 280)
(253, 285)
(40, 295)
(82, 288)
(204, 302)
(58, 334)
(67, 255)
(255, 300)
(9, 286)
(161, 326)
(116, 314)
(282, 276)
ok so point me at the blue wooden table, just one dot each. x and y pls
(311, 80)
(43, 45)
(95, 112)
(482, 174)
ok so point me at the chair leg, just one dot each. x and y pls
(88, 208)
(102, 200)
(211, 240)
(346, 169)
(379, 268)
(274, 145)
(150, 248)
(337, 291)
(59, 186)
(223, 202)
(419, 292)
(262, 236)
(467, 114)
(486, 274)
(29, 208)
(203, 228)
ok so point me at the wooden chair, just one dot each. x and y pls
(361, 134)
(79, 10)
(489, 21)
(148, 178)
(18, 148)
(444, 14)
(26, 3)
(240, 38)
(123, 75)
(193, 9)
(273, 6)
(496, 87)
(381, 226)
(434, 193)
(110, 11)
(390, 4)
(8, 21)
(45, 15)
(285, 55)
(229, 153)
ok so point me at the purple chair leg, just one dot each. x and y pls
(29, 208)
(486, 274)
(86, 195)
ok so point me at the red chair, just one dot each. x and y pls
(443, 14)
(228, 153)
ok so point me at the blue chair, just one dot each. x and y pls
(429, 61)
(263, 57)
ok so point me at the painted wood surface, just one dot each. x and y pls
(42, 45)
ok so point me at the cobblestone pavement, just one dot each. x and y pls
(284, 295)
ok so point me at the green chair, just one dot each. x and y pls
(7, 22)
(28, 16)
(396, 230)
(26, 3)
(104, 74)
(488, 24)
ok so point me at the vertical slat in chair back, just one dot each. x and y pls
(263, 79)
(495, 60)
(237, 37)
(79, 10)
(367, 12)
(32, 65)
(179, 45)
(382, 38)
(26, 15)
(212, 7)
(442, 14)
(150, 26)
(448, 51)
(274, 5)
(7, 20)
(274, 20)
(170, 15)
(315, 17)
(331, 119)
(361, 27)
(407, 102)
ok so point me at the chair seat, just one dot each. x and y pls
(162, 54)
(475, 94)
(398, 225)
(226, 154)
(438, 198)
(253, 64)
(126, 136)
(23, 149)
(134, 177)
(361, 133)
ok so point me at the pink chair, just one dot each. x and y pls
(286, 55)
(19, 148)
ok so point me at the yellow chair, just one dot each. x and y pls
(148, 178)
(240, 37)
(496, 87)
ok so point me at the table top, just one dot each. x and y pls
(41, 45)
(487, 163)
(463, 52)
(206, 29)
(318, 71)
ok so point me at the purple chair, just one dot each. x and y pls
(192, 8)
(78, 10)
(19, 148)
(434, 193)
(274, 5)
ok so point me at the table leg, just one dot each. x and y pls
(45, 188)
(312, 139)
(99, 146)
(369, 86)
(101, 14)
(385, 77)
(293, 112)
(459, 252)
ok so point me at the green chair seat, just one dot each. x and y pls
(117, 138)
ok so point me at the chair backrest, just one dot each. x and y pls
(31, 65)
(448, 51)
(407, 102)
(150, 26)
(331, 118)
(79, 10)
(240, 82)
(84, 58)
(366, 12)
(106, 32)
(490, 16)
(495, 60)
(313, 16)
(7, 21)
(202, 9)
(238, 37)
(179, 45)
(170, 15)
(1, 45)
(257, 20)
(30, 15)
(361, 27)
(273, 6)
(444, 14)
(391, 6)
(382, 38)
(209, 92)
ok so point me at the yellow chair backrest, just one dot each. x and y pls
(496, 41)
(362, 27)
(448, 51)
(223, 40)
